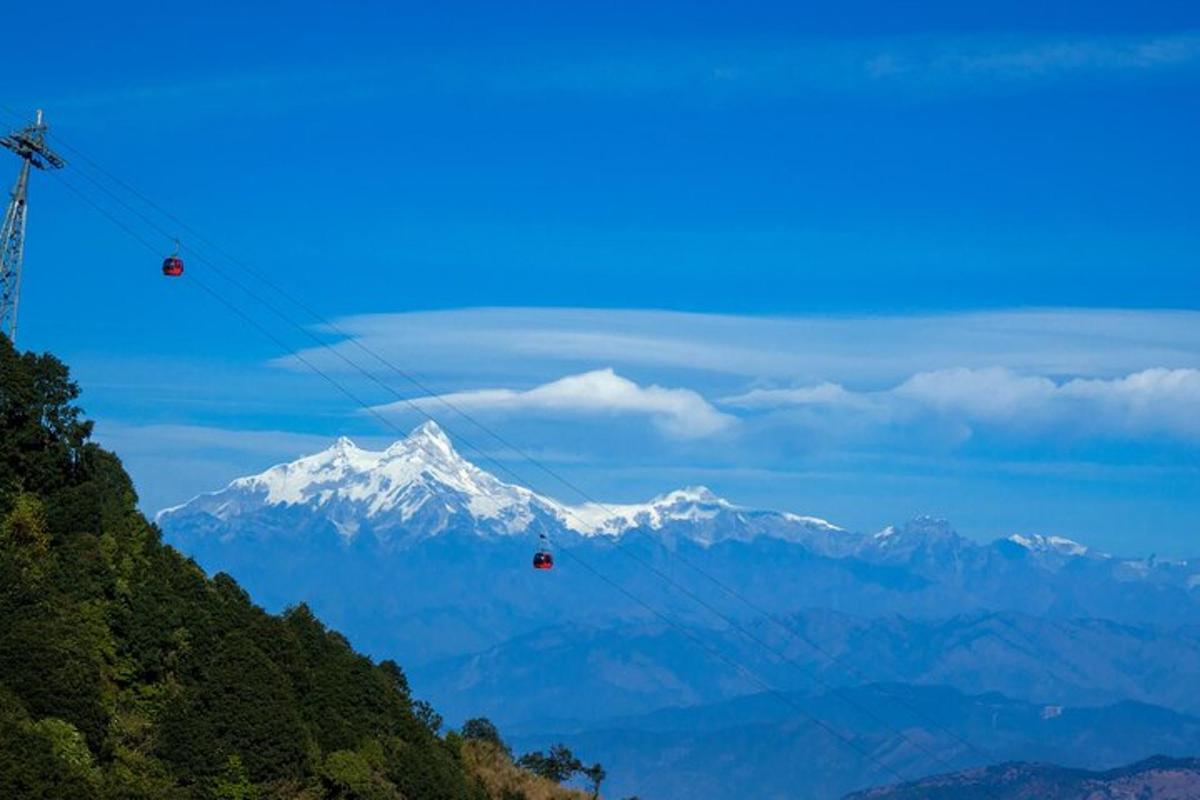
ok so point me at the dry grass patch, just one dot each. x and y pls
(505, 781)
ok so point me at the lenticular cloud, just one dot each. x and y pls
(678, 412)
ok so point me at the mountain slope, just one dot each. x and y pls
(125, 672)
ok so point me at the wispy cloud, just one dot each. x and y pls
(1029, 59)
(720, 354)
(174, 462)
(132, 439)
(677, 412)
(779, 68)
(1151, 402)
(803, 66)
(831, 394)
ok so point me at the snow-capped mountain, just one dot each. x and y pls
(421, 486)
(416, 551)
(1049, 544)
(420, 483)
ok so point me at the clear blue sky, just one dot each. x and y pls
(870, 197)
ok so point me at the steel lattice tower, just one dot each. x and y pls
(29, 144)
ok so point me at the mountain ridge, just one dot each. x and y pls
(716, 750)
(1158, 777)
(405, 483)
(422, 483)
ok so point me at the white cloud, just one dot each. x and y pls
(721, 353)
(996, 393)
(1092, 372)
(1152, 402)
(820, 394)
(679, 412)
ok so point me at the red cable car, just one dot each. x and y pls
(542, 558)
(173, 264)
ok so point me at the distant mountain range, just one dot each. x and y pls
(419, 555)
(626, 669)
(768, 746)
(421, 487)
(1157, 778)
(385, 541)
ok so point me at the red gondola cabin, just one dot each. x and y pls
(173, 266)
(543, 560)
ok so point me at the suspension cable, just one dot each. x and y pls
(732, 592)
(665, 618)
(622, 546)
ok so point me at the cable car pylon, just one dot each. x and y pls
(29, 144)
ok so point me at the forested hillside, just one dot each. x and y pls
(126, 672)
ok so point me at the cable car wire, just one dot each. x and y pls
(792, 633)
(666, 619)
(622, 547)
(320, 343)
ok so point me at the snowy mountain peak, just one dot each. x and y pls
(426, 441)
(929, 524)
(691, 494)
(1049, 544)
(923, 534)
(421, 474)
(421, 486)
(923, 528)
(430, 436)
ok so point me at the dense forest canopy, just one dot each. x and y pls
(125, 672)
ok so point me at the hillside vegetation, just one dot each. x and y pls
(126, 672)
(495, 769)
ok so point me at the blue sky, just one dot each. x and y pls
(860, 261)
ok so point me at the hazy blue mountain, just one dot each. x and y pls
(767, 746)
(1158, 778)
(385, 544)
(419, 555)
(579, 674)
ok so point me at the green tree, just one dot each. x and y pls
(558, 765)
(234, 783)
(428, 716)
(24, 550)
(46, 759)
(595, 776)
(43, 432)
(481, 729)
(243, 706)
